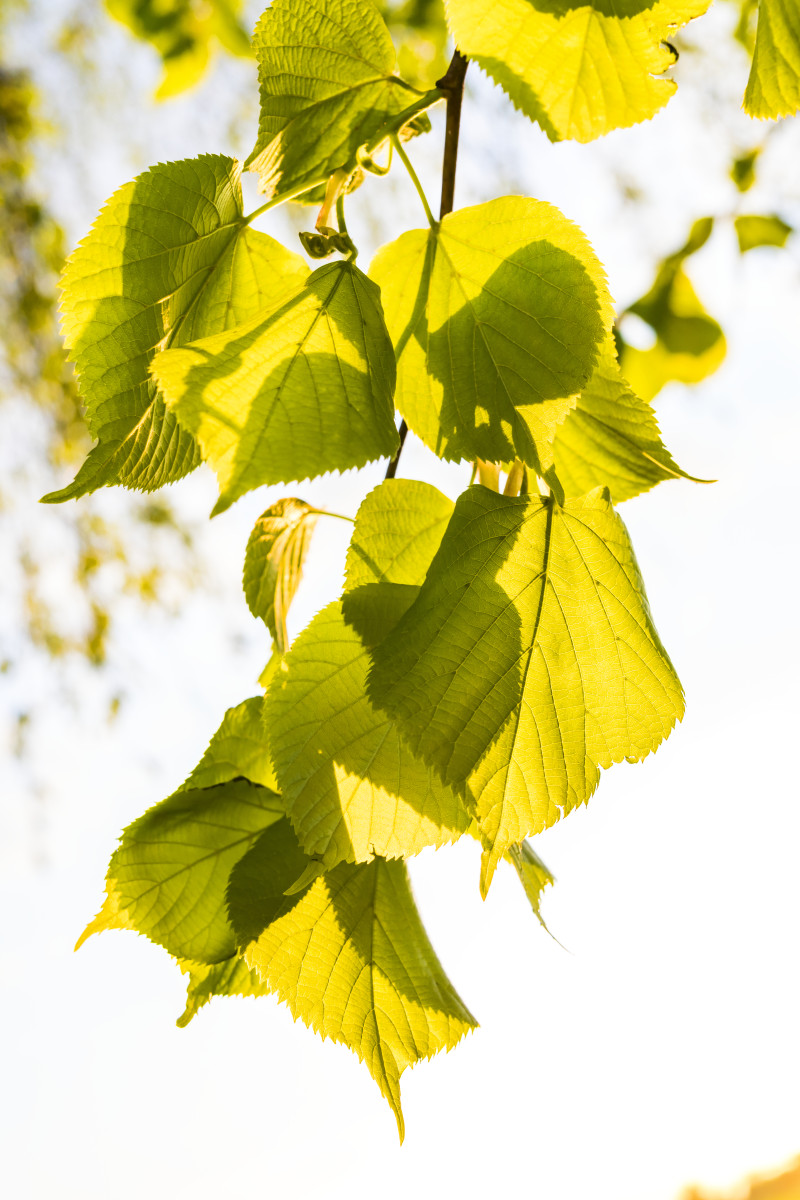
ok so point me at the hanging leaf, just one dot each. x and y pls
(351, 786)
(528, 660)
(303, 389)
(689, 344)
(497, 315)
(325, 69)
(773, 89)
(611, 439)
(238, 750)
(273, 563)
(580, 69)
(167, 261)
(533, 875)
(754, 231)
(232, 977)
(351, 958)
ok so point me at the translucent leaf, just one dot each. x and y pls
(611, 439)
(580, 69)
(327, 87)
(273, 563)
(303, 389)
(528, 660)
(351, 958)
(397, 531)
(773, 89)
(351, 786)
(767, 230)
(232, 977)
(689, 344)
(497, 316)
(167, 261)
(238, 750)
(533, 875)
(170, 871)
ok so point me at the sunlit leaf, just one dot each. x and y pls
(533, 875)
(528, 661)
(325, 68)
(167, 261)
(273, 563)
(766, 230)
(497, 316)
(579, 67)
(232, 977)
(351, 786)
(351, 958)
(303, 389)
(238, 750)
(773, 89)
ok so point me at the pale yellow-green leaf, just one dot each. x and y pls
(232, 977)
(238, 749)
(773, 89)
(533, 874)
(303, 389)
(580, 69)
(757, 230)
(273, 562)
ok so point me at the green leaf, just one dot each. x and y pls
(238, 750)
(528, 660)
(167, 261)
(273, 563)
(397, 531)
(743, 169)
(351, 958)
(689, 344)
(182, 32)
(325, 69)
(611, 439)
(351, 786)
(767, 230)
(579, 69)
(232, 977)
(303, 389)
(497, 315)
(773, 89)
(533, 875)
(170, 871)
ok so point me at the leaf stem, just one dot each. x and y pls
(406, 161)
(284, 197)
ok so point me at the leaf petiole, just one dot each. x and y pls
(406, 161)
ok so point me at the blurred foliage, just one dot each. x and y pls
(784, 1185)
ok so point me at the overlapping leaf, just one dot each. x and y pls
(303, 389)
(611, 439)
(232, 977)
(528, 661)
(689, 343)
(351, 958)
(327, 87)
(497, 316)
(167, 261)
(351, 786)
(580, 67)
(273, 562)
(238, 750)
(773, 89)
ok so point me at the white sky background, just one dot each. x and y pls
(662, 1047)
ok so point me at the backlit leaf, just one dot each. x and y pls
(238, 750)
(273, 563)
(497, 316)
(533, 875)
(579, 68)
(767, 230)
(303, 389)
(528, 661)
(351, 958)
(611, 439)
(232, 977)
(773, 89)
(351, 786)
(325, 69)
(167, 261)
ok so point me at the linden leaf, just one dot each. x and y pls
(773, 89)
(168, 260)
(580, 68)
(611, 439)
(238, 750)
(325, 70)
(303, 389)
(273, 563)
(754, 230)
(351, 958)
(528, 661)
(497, 315)
(351, 786)
(232, 977)
(533, 875)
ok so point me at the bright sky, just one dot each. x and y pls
(660, 1048)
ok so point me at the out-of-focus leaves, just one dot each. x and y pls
(743, 169)
(765, 230)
